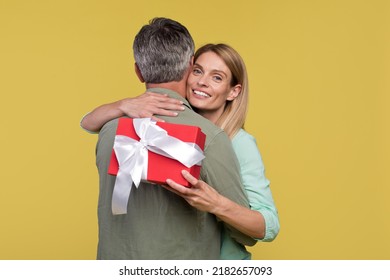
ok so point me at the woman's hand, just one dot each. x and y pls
(205, 198)
(142, 106)
(200, 195)
(149, 104)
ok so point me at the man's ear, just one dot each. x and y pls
(138, 72)
(234, 92)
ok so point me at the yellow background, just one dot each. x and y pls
(319, 108)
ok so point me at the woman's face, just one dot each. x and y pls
(208, 86)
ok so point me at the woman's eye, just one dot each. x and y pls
(196, 71)
(217, 78)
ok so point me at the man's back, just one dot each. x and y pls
(160, 224)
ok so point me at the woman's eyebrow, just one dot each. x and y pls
(213, 70)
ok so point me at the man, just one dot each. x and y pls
(160, 224)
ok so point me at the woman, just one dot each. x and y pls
(217, 88)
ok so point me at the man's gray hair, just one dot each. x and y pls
(163, 50)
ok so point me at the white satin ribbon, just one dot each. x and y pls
(132, 156)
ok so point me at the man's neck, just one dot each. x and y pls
(179, 87)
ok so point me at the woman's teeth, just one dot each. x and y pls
(201, 93)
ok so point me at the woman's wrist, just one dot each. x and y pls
(120, 107)
(220, 206)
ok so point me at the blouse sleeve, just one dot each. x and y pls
(255, 183)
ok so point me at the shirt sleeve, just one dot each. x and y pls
(220, 170)
(256, 185)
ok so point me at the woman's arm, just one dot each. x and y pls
(143, 106)
(206, 198)
(256, 185)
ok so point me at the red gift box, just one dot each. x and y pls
(160, 167)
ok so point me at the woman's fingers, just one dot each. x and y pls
(149, 104)
(180, 189)
(169, 188)
(191, 179)
(163, 101)
(157, 119)
(200, 195)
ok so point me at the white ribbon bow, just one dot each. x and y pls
(132, 156)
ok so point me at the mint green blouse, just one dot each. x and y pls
(259, 194)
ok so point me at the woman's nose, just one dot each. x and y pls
(202, 81)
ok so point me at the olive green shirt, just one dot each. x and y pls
(160, 224)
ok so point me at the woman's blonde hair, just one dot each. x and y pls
(234, 114)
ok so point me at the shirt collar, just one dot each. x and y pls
(172, 94)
